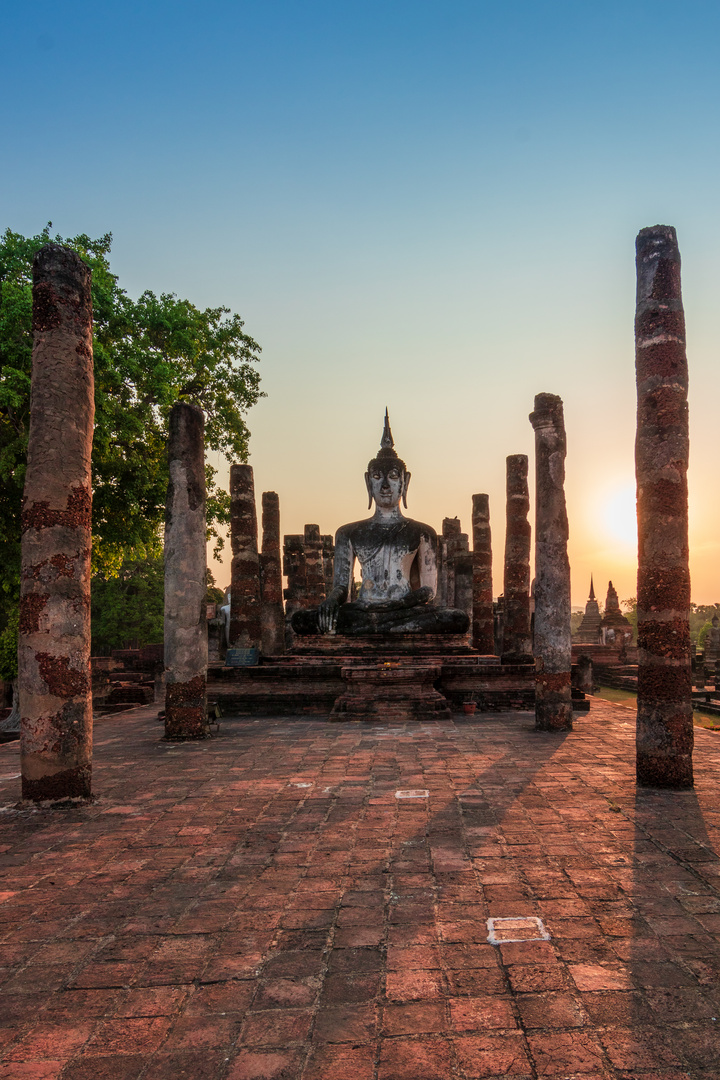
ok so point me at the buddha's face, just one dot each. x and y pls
(386, 486)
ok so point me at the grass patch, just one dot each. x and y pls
(627, 697)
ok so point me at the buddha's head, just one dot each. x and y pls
(387, 479)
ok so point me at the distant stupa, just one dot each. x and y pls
(613, 619)
(588, 631)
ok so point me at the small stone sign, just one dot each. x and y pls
(516, 928)
(242, 657)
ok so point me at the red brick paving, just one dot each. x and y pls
(260, 906)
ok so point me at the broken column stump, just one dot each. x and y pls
(245, 592)
(272, 616)
(54, 644)
(483, 637)
(664, 731)
(552, 647)
(186, 638)
(517, 642)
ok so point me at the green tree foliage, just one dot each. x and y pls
(700, 618)
(630, 612)
(149, 353)
(127, 607)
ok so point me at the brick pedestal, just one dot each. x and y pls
(392, 692)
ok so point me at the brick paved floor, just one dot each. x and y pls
(261, 906)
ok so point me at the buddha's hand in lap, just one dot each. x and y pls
(410, 600)
(328, 612)
(418, 596)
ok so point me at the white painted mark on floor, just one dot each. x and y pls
(516, 928)
(292, 784)
(413, 793)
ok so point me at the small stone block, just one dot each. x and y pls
(413, 793)
(516, 928)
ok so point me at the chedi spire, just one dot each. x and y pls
(386, 442)
(386, 455)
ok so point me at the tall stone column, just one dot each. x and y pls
(452, 534)
(482, 612)
(272, 616)
(245, 593)
(186, 636)
(664, 705)
(54, 646)
(517, 642)
(553, 702)
(314, 566)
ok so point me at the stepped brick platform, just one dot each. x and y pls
(309, 679)
(262, 905)
(312, 683)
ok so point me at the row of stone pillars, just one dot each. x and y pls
(516, 644)
(54, 645)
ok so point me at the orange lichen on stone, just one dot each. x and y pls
(60, 678)
(31, 607)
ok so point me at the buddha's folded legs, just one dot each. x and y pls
(353, 619)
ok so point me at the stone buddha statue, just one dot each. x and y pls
(398, 563)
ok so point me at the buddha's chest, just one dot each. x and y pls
(385, 570)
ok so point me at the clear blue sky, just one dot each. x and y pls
(430, 206)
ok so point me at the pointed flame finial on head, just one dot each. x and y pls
(387, 458)
(386, 442)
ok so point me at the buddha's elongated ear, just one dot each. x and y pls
(406, 485)
(368, 485)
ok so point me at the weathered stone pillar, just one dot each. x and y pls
(664, 705)
(441, 596)
(272, 614)
(328, 558)
(186, 638)
(314, 566)
(457, 545)
(54, 646)
(517, 642)
(482, 611)
(245, 594)
(553, 703)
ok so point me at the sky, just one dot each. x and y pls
(420, 205)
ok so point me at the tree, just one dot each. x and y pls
(630, 606)
(148, 353)
(128, 607)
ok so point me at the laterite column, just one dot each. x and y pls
(245, 593)
(272, 614)
(482, 610)
(186, 635)
(553, 702)
(517, 642)
(54, 646)
(664, 730)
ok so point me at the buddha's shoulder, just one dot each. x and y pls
(369, 526)
(426, 530)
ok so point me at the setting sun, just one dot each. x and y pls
(619, 514)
